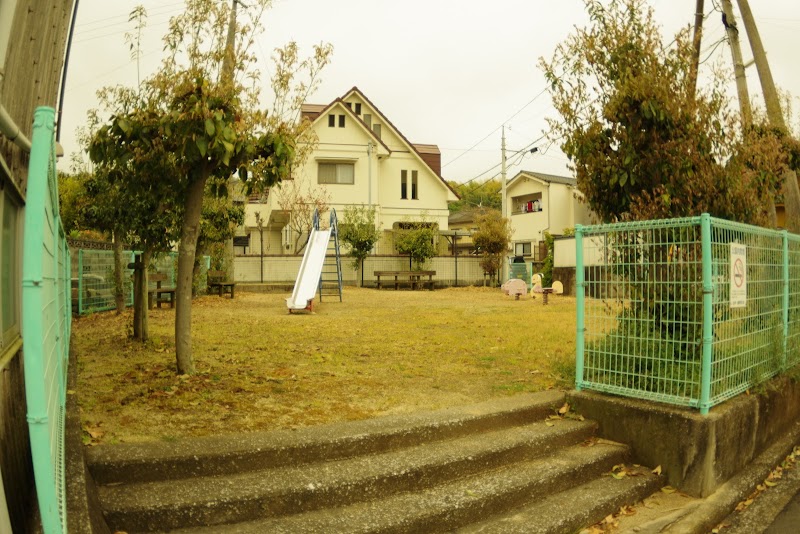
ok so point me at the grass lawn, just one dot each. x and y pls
(261, 368)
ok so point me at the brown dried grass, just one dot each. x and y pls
(260, 368)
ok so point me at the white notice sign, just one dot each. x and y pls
(738, 276)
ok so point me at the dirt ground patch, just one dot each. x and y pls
(261, 368)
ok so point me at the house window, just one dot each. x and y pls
(336, 173)
(368, 120)
(414, 195)
(341, 121)
(358, 108)
(9, 269)
(349, 105)
(376, 128)
(522, 249)
(404, 184)
(331, 121)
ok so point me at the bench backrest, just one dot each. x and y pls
(217, 276)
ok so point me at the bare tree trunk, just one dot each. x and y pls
(119, 273)
(144, 296)
(696, 42)
(137, 297)
(183, 291)
(791, 192)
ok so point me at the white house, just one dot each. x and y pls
(360, 158)
(539, 203)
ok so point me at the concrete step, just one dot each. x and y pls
(573, 509)
(296, 489)
(451, 505)
(227, 455)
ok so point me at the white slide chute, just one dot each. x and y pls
(310, 271)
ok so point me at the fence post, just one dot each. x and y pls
(80, 281)
(785, 238)
(579, 299)
(708, 301)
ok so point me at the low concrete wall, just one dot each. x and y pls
(83, 505)
(696, 453)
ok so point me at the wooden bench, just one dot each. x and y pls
(415, 277)
(160, 294)
(217, 282)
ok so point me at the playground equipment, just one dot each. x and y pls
(556, 287)
(316, 264)
(515, 287)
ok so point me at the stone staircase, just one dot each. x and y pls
(493, 467)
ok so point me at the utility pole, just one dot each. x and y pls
(791, 192)
(226, 77)
(696, 42)
(503, 202)
(738, 64)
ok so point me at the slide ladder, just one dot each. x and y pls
(330, 281)
(309, 277)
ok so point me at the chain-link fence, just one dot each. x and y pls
(688, 311)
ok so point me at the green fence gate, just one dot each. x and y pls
(687, 311)
(46, 322)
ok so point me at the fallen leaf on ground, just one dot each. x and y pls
(657, 470)
(668, 489)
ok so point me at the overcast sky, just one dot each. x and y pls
(445, 72)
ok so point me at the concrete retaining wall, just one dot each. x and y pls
(696, 453)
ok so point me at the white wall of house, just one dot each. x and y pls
(376, 174)
(555, 207)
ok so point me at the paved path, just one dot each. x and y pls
(788, 521)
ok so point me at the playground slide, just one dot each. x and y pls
(310, 270)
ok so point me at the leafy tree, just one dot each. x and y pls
(73, 202)
(642, 143)
(205, 126)
(300, 204)
(359, 231)
(492, 241)
(416, 239)
(485, 194)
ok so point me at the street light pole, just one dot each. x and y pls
(503, 202)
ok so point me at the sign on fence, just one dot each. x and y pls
(738, 298)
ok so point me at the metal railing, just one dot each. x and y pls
(687, 311)
(46, 323)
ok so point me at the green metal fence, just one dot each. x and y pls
(686, 311)
(93, 284)
(93, 278)
(46, 322)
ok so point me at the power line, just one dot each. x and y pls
(501, 124)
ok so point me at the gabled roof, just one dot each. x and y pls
(321, 111)
(414, 148)
(542, 177)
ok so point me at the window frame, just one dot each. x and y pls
(523, 245)
(341, 121)
(414, 185)
(336, 164)
(403, 184)
(331, 120)
(9, 337)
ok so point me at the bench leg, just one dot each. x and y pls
(233, 288)
(396, 284)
